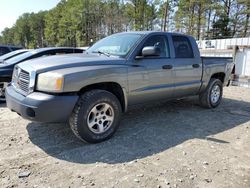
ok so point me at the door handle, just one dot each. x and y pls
(167, 67)
(195, 65)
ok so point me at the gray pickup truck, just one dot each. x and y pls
(91, 90)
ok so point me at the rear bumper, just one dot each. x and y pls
(41, 107)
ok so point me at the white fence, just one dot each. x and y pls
(223, 43)
(216, 53)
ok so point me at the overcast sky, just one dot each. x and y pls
(10, 10)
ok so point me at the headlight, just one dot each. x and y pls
(50, 82)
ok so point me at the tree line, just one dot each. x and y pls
(82, 22)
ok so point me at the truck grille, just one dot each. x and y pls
(21, 80)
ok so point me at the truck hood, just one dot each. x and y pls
(56, 62)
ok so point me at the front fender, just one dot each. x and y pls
(78, 77)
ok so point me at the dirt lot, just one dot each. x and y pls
(171, 144)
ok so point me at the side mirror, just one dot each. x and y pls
(151, 51)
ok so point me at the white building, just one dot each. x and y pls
(223, 44)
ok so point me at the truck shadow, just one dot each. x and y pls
(144, 131)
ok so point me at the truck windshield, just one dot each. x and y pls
(116, 45)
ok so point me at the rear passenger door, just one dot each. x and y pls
(187, 68)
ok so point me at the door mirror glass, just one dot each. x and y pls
(151, 51)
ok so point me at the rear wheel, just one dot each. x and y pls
(96, 116)
(212, 96)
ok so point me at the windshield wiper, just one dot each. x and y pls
(103, 53)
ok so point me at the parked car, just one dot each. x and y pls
(91, 91)
(6, 68)
(12, 54)
(4, 49)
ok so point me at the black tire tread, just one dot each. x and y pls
(204, 97)
(84, 99)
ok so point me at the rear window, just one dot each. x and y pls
(182, 46)
(15, 48)
(4, 50)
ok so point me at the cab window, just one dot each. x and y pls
(158, 41)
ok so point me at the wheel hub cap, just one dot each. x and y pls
(215, 94)
(100, 118)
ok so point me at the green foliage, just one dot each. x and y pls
(82, 22)
(28, 31)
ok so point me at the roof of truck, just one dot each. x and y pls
(149, 32)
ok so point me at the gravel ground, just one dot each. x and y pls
(169, 144)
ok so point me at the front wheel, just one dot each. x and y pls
(212, 96)
(96, 116)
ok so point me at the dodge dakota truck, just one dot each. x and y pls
(90, 91)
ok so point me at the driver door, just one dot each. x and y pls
(151, 77)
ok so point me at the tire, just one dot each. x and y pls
(209, 98)
(2, 92)
(91, 106)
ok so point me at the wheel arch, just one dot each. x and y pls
(113, 87)
(219, 75)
